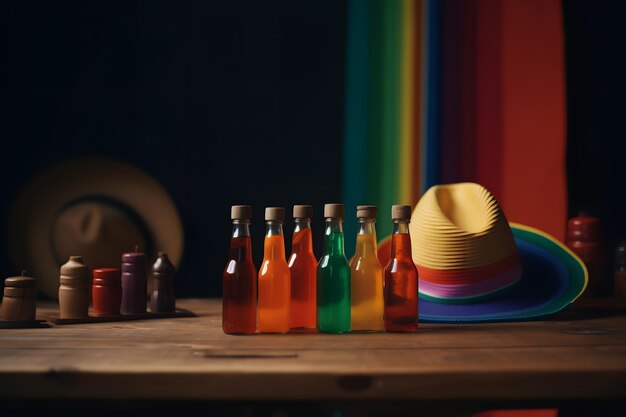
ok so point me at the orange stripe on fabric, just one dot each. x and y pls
(407, 103)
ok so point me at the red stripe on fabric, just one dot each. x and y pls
(488, 168)
(533, 82)
(468, 276)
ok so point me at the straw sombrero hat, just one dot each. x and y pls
(475, 266)
(94, 207)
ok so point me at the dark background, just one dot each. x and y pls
(595, 51)
(222, 102)
(242, 102)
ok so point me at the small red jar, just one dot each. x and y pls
(584, 238)
(107, 292)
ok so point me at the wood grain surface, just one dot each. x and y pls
(577, 355)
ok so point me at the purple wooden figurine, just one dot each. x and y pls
(162, 299)
(134, 283)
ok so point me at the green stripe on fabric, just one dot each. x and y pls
(391, 115)
(356, 140)
(376, 104)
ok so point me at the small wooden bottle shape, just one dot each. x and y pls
(162, 299)
(584, 238)
(74, 289)
(107, 292)
(134, 283)
(18, 303)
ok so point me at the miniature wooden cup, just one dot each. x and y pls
(19, 302)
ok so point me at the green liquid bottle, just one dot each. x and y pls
(333, 276)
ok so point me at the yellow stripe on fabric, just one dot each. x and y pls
(407, 88)
(418, 69)
(423, 96)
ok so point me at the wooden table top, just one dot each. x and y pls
(574, 356)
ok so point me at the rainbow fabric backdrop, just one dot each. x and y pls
(441, 91)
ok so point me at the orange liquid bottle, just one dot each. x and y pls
(303, 266)
(401, 277)
(274, 277)
(240, 277)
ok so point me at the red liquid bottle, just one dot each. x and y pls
(303, 267)
(240, 278)
(400, 288)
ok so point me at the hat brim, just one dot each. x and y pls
(35, 209)
(552, 278)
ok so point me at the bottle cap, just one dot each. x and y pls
(135, 257)
(400, 212)
(107, 273)
(334, 210)
(302, 212)
(366, 212)
(163, 265)
(75, 268)
(20, 281)
(584, 228)
(275, 213)
(241, 212)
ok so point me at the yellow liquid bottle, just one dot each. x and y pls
(367, 305)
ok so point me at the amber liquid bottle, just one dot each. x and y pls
(366, 276)
(240, 278)
(303, 266)
(401, 277)
(274, 277)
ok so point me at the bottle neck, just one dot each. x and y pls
(366, 238)
(241, 228)
(401, 240)
(274, 246)
(302, 238)
(302, 224)
(333, 239)
(240, 243)
(400, 227)
(274, 228)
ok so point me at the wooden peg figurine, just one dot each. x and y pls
(74, 289)
(107, 292)
(19, 302)
(162, 299)
(134, 282)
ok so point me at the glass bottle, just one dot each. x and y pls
(240, 277)
(333, 276)
(366, 275)
(401, 276)
(302, 264)
(274, 277)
